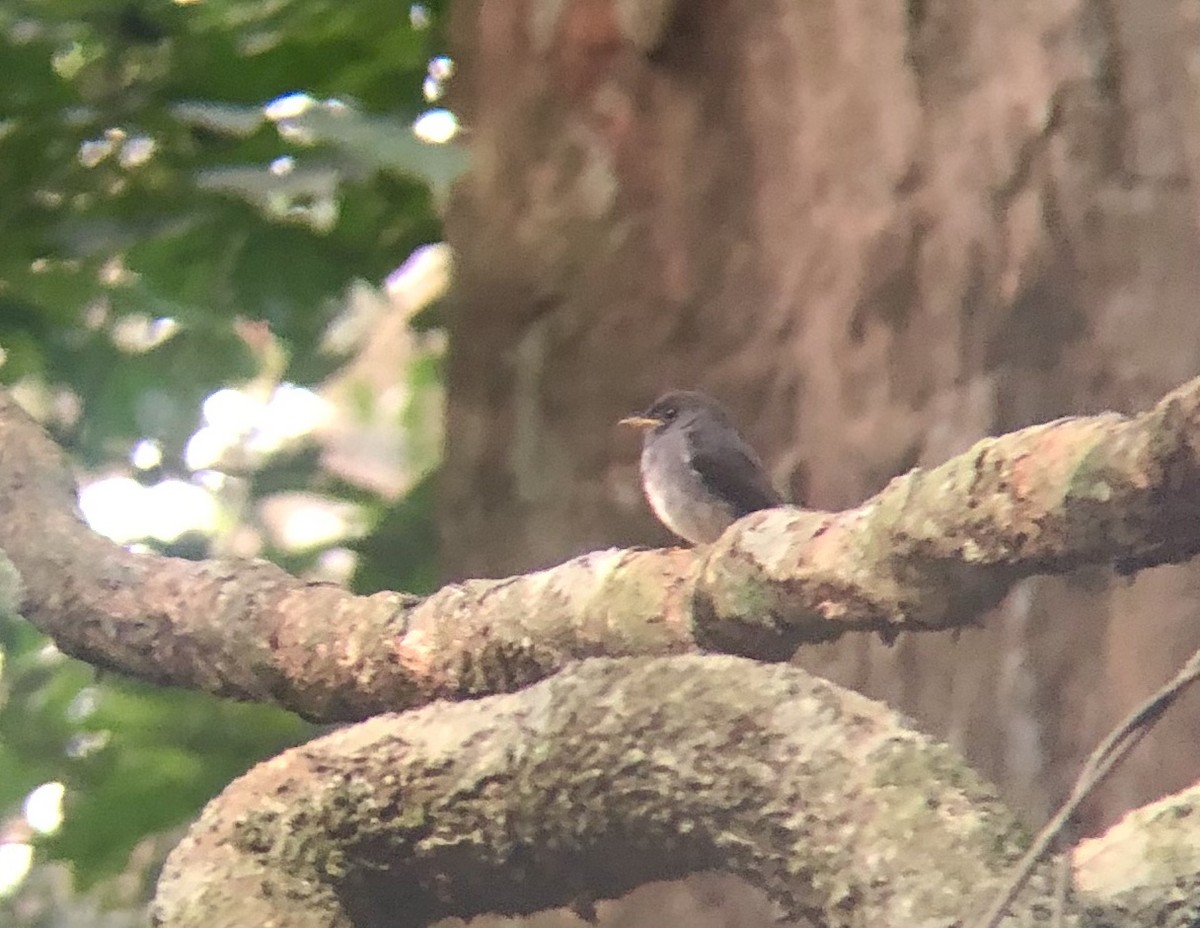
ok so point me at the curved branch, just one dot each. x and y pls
(605, 777)
(932, 550)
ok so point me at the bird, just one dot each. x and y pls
(699, 475)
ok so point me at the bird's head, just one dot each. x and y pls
(678, 408)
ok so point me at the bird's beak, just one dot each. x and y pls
(641, 422)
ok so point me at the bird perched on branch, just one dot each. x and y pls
(699, 475)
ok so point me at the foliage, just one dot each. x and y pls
(143, 178)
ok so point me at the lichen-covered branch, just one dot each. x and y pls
(594, 782)
(937, 547)
(932, 550)
(249, 630)
(1146, 868)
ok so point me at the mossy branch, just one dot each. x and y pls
(932, 550)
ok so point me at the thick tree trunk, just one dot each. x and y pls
(879, 232)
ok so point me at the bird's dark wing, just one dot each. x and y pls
(731, 469)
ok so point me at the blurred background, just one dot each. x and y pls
(362, 288)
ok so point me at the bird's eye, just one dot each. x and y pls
(669, 413)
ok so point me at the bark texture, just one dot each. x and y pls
(589, 784)
(931, 551)
(879, 232)
(1151, 855)
(616, 772)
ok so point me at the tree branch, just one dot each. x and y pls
(1100, 763)
(620, 772)
(608, 776)
(1147, 866)
(932, 550)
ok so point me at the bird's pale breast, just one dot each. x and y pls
(673, 500)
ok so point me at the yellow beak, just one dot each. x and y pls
(641, 422)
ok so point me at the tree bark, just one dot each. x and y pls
(1151, 855)
(616, 773)
(931, 551)
(587, 785)
(879, 232)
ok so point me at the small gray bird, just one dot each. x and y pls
(699, 475)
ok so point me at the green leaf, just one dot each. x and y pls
(165, 754)
(204, 233)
